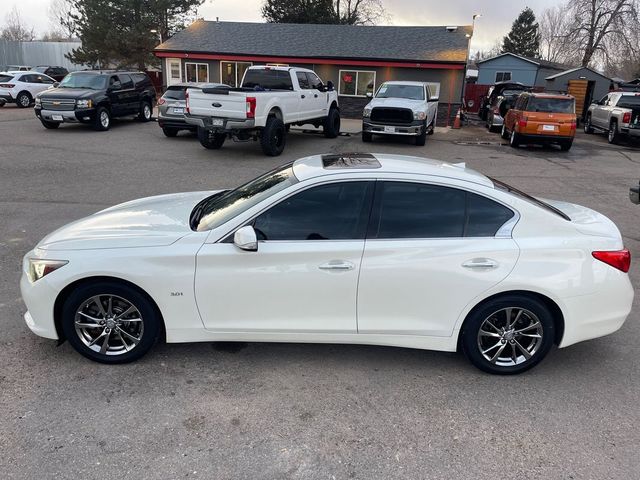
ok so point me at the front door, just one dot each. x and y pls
(303, 278)
(319, 107)
(173, 71)
(429, 252)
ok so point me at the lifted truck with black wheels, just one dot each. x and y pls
(268, 102)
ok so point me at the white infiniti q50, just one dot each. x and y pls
(352, 248)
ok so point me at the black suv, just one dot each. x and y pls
(95, 97)
(57, 73)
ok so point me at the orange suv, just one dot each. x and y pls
(541, 118)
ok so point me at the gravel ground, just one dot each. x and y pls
(280, 411)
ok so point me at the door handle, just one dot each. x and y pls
(301, 96)
(337, 265)
(480, 263)
(315, 96)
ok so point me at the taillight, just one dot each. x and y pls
(620, 259)
(186, 99)
(626, 117)
(251, 107)
(522, 123)
(7, 85)
(573, 124)
(162, 101)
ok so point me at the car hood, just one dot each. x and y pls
(72, 93)
(397, 103)
(147, 222)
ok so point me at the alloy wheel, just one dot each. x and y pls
(146, 111)
(104, 119)
(25, 100)
(109, 324)
(510, 336)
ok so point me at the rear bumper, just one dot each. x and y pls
(7, 97)
(228, 124)
(175, 122)
(631, 132)
(86, 115)
(414, 128)
(534, 138)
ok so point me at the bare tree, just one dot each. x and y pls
(60, 20)
(15, 28)
(360, 12)
(556, 44)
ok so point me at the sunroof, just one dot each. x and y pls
(350, 160)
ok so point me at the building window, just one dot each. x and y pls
(356, 83)
(196, 72)
(175, 70)
(231, 73)
(503, 76)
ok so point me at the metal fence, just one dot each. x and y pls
(37, 53)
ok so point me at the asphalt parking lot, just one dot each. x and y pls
(286, 411)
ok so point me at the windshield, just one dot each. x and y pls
(411, 92)
(551, 105)
(525, 196)
(629, 101)
(39, 69)
(218, 209)
(84, 80)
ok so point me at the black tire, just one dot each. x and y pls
(331, 124)
(148, 329)
(421, 139)
(613, 136)
(367, 137)
(432, 128)
(274, 137)
(102, 122)
(504, 134)
(211, 140)
(50, 125)
(23, 100)
(146, 111)
(169, 132)
(508, 343)
(566, 146)
(588, 129)
(514, 139)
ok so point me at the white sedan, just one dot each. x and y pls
(354, 248)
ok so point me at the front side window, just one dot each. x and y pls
(196, 72)
(338, 211)
(303, 80)
(314, 81)
(356, 83)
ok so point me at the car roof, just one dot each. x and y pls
(367, 163)
(401, 82)
(548, 95)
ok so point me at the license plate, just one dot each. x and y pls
(389, 129)
(217, 122)
(548, 128)
(178, 110)
(57, 118)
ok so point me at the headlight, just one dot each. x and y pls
(83, 103)
(419, 115)
(366, 113)
(38, 268)
(38, 102)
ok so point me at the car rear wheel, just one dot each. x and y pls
(504, 133)
(514, 141)
(146, 111)
(613, 136)
(170, 132)
(367, 137)
(211, 140)
(566, 146)
(331, 124)
(102, 121)
(50, 125)
(110, 322)
(508, 335)
(23, 100)
(273, 137)
(587, 125)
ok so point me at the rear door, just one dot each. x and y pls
(430, 251)
(117, 96)
(130, 94)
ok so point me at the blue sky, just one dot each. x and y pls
(497, 15)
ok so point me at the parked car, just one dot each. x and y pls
(172, 106)
(541, 118)
(269, 100)
(499, 108)
(95, 97)
(495, 91)
(401, 108)
(18, 68)
(455, 261)
(617, 114)
(57, 73)
(22, 87)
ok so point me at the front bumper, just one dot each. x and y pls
(39, 297)
(85, 115)
(414, 128)
(228, 124)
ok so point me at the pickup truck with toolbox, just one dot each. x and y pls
(617, 114)
(268, 102)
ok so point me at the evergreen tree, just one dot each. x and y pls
(298, 11)
(524, 37)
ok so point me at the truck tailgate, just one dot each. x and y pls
(233, 105)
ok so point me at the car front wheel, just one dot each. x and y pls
(102, 121)
(508, 335)
(273, 137)
(145, 111)
(587, 125)
(110, 322)
(23, 100)
(331, 124)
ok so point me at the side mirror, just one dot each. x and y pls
(56, 84)
(437, 99)
(330, 86)
(245, 239)
(369, 95)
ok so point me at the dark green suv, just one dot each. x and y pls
(95, 97)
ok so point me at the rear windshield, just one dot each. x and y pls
(175, 93)
(39, 69)
(5, 78)
(411, 92)
(551, 105)
(525, 196)
(84, 80)
(629, 101)
(263, 79)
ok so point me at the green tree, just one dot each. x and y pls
(119, 32)
(524, 37)
(349, 12)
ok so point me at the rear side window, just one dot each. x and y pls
(125, 80)
(140, 79)
(263, 79)
(339, 211)
(415, 210)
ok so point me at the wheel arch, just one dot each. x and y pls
(556, 311)
(276, 112)
(66, 291)
(334, 104)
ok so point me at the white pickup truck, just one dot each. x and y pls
(617, 114)
(269, 100)
(401, 108)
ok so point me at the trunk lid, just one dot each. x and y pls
(586, 220)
